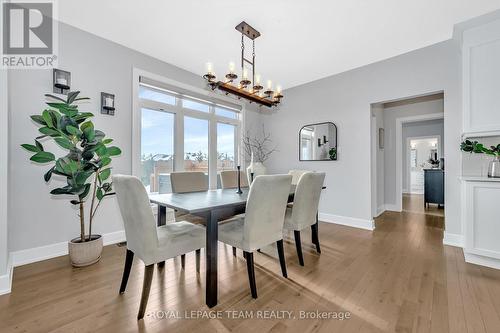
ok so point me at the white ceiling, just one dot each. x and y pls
(301, 40)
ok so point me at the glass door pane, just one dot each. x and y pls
(195, 144)
(226, 135)
(157, 149)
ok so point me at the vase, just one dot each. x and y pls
(257, 168)
(494, 168)
(85, 253)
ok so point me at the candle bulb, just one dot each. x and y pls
(269, 85)
(245, 73)
(210, 68)
(257, 79)
(231, 67)
(278, 90)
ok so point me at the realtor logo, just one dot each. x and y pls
(28, 34)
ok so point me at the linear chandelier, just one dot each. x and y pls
(252, 90)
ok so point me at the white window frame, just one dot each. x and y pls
(180, 112)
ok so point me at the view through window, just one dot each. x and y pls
(177, 133)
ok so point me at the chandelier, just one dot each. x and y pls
(247, 88)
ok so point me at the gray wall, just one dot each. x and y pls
(346, 99)
(416, 129)
(96, 64)
(390, 116)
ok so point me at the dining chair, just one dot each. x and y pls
(262, 223)
(303, 213)
(185, 182)
(188, 181)
(229, 179)
(145, 240)
(296, 174)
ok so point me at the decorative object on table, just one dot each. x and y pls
(107, 104)
(61, 81)
(239, 191)
(248, 88)
(479, 148)
(259, 150)
(318, 142)
(381, 138)
(85, 167)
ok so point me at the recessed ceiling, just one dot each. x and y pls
(301, 40)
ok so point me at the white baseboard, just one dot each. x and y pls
(348, 221)
(392, 208)
(6, 279)
(453, 239)
(482, 261)
(380, 210)
(28, 256)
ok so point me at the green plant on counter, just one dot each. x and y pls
(86, 165)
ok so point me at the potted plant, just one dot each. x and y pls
(85, 167)
(479, 148)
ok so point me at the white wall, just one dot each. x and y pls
(4, 157)
(345, 99)
(416, 129)
(96, 65)
(390, 116)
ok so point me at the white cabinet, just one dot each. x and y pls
(481, 221)
(481, 78)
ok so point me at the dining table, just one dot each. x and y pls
(214, 206)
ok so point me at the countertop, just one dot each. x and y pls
(479, 179)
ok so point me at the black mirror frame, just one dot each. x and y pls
(336, 142)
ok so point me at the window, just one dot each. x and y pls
(223, 112)
(157, 149)
(183, 130)
(195, 144)
(226, 148)
(156, 95)
(193, 105)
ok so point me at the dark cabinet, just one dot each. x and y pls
(434, 186)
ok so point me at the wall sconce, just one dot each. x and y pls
(325, 141)
(107, 104)
(61, 81)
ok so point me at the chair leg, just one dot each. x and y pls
(251, 273)
(198, 252)
(161, 264)
(298, 245)
(146, 287)
(314, 231)
(129, 258)
(183, 261)
(281, 254)
(244, 254)
(234, 251)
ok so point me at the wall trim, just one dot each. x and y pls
(380, 210)
(453, 239)
(393, 208)
(6, 279)
(28, 256)
(348, 221)
(481, 260)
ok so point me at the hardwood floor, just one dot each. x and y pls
(398, 278)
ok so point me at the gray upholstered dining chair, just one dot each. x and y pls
(145, 240)
(296, 174)
(185, 182)
(262, 223)
(229, 179)
(188, 181)
(304, 211)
